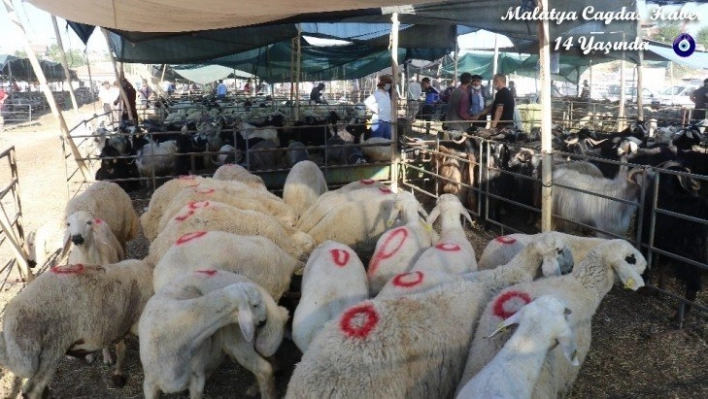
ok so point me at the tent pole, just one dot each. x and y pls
(65, 64)
(546, 148)
(88, 67)
(162, 77)
(590, 79)
(640, 80)
(292, 70)
(298, 71)
(620, 122)
(123, 95)
(394, 102)
(12, 14)
(495, 63)
(457, 50)
(671, 80)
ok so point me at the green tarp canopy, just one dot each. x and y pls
(207, 73)
(21, 69)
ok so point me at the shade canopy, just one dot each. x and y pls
(21, 69)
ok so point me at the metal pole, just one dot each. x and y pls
(671, 80)
(590, 80)
(12, 14)
(457, 51)
(546, 148)
(65, 64)
(88, 68)
(495, 64)
(123, 96)
(620, 122)
(640, 82)
(298, 71)
(162, 77)
(394, 101)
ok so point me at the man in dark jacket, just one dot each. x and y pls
(130, 92)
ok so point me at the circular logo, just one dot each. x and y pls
(684, 45)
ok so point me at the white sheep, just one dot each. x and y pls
(72, 310)
(257, 258)
(582, 291)
(110, 203)
(216, 216)
(230, 193)
(453, 253)
(380, 153)
(502, 249)
(45, 242)
(334, 279)
(356, 191)
(583, 167)
(188, 325)
(94, 242)
(297, 152)
(236, 172)
(407, 346)
(249, 131)
(604, 214)
(156, 159)
(304, 184)
(398, 249)
(515, 369)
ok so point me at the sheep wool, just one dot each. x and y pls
(39, 329)
(216, 216)
(110, 203)
(94, 242)
(582, 291)
(304, 184)
(334, 279)
(257, 258)
(238, 173)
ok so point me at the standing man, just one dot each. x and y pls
(145, 93)
(477, 95)
(459, 109)
(502, 109)
(380, 104)
(700, 98)
(316, 94)
(131, 94)
(221, 90)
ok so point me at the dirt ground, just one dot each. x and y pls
(636, 352)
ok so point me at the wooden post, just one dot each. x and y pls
(394, 101)
(12, 14)
(65, 64)
(457, 51)
(495, 63)
(123, 95)
(298, 71)
(88, 68)
(546, 148)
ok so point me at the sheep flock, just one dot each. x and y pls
(380, 302)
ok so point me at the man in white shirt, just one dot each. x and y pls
(380, 104)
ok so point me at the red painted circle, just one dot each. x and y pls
(204, 190)
(385, 190)
(209, 272)
(182, 218)
(408, 280)
(187, 177)
(98, 221)
(359, 321)
(450, 247)
(340, 257)
(506, 240)
(500, 303)
(392, 244)
(367, 181)
(68, 269)
(198, 204)
(190, 236)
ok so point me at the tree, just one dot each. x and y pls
(20, 53)
(74, 58)
(666, 33)
(702, 37)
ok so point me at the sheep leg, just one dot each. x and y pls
(150, 390)
(247, 357)
(196, 385)
(36, 386)
(107, 358)
(118, 377)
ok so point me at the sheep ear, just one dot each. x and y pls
(513, 319)
(569, 347)
(628, 275)
(245, 321)
(422, 211)
(395, 210)
(100, 232)
(466, 215)
(67, 244)
(434, 214)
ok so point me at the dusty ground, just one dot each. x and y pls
(636, 351)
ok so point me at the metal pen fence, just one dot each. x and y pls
(16, 113)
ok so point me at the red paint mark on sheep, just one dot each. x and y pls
(501, 309)
(68, 269)
(190, 236)
(98, 221)
(209, 272)
(506, 240)
(340, 257)
(392, 244)
(182, 218)
(187, 177)
(407, 280)
(198, 204)
(385, 190)
(449, 247)
(367, 182)
(359, 321)
(204, 190)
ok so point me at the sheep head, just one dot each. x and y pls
(553, 253)
(80, 228)
(449, 204)
(271, 326)
(624, 260)
(406, 203)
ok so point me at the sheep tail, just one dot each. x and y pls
(134, 228)
(3, 351)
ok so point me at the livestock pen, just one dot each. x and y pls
(12, 235)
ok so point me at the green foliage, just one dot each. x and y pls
(74, 58)
(666, 33)
(20, 53)
(702, 37)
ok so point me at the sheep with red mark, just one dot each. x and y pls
(303, 186)
(502, 249)
(72, 310)
(356, 191)
(398, 249)
(235, 172)
(453, 253)
(542, 324)
(407, 346)
(582, 291)
(217, 216)
(257, 258)
(93, 241)
(110, 203)
(334, 279)
(233, 194)
(546, 255)
(190, 324)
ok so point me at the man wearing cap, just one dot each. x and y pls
(700, 98)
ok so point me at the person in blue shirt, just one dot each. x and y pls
(432, 97)
(221, 90)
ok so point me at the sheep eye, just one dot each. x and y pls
(262, 323)
(560, 251)
(631, 259)
(68, 224)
